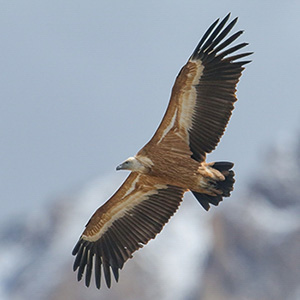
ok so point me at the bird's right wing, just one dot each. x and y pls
(127, 221)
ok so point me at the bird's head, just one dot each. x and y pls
(132, 164)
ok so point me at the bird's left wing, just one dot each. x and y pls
(203, 95)
(127, 221)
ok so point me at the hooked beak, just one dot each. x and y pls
(119, 167)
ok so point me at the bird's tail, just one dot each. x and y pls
(225, 186)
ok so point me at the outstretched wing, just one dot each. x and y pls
(203, 95)
(127, 221)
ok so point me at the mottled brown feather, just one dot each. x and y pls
(214, 97)
(199, 109)
(133, 229)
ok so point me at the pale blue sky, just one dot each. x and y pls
(84, 84)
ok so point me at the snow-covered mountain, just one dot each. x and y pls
(248, 248)
(35, 252)
(256, 252)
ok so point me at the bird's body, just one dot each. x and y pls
(187, 173)
(172, 162)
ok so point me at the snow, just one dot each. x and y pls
(35, 250)
(35, 260)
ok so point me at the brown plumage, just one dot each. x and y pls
(172, 162)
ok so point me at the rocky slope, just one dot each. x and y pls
(246, 249)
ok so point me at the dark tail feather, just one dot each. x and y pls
(226, 186)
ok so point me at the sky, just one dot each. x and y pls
(84, 85)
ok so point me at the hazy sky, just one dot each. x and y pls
(84, 84)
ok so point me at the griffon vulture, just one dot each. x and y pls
(172, 162)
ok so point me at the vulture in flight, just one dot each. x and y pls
(172, 162)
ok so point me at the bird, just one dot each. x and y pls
(172, 162)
